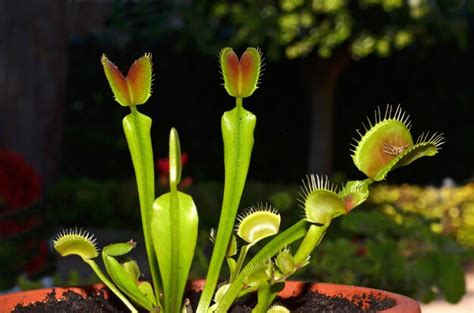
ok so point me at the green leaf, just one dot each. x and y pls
(370, 154)
(354, 193)
(238, 127)
(370, 223)
(231, 263)
(417, 151)
(389, 265)
(119, 249)
(174, 227)
(147, 290)
(409, 155)
(387, 144)
(125, 282)
(174, 157)
(451, 277)
(423, 271)
(137, 128)
(277, 244)
(266, 293)
(131, 267)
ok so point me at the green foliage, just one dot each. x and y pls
(449, 208)
(125, 280)
(405, 257)
(296, 28)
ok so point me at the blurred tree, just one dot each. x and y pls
(32, 80)
(33, 74)
(328, 34)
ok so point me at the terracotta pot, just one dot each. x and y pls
(9, 301)
(292, 289)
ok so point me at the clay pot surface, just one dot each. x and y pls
(9, 301)
(292, 289)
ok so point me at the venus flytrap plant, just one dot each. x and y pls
(170, 222)
(83, 244)
(241, 79)
(174, 228)
(278, 309)
(255, 224)
(133, 90)
(125, 275)
(384, 146)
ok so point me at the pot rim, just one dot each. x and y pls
(403, 304)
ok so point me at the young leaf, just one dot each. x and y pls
(124, 281)
(218, 296)
(175, 158)
(131, 267)
(147, 291)
(258, 273)
(354, 193)
(174, 229)
(285, 262)
(119, 249)
(232, 248)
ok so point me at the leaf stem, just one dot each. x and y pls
(312, 238)
(240, 262)
(265, 296)
(237, 131)
(137, 132)
(278, 243)
(110, 285)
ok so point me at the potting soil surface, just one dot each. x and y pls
(308, 302)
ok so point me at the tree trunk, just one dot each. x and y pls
(32, 81)
(323, 75)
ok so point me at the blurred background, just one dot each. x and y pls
(328, 64)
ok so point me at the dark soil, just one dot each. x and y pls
(308, 302)
(313, 302)
(72, 302)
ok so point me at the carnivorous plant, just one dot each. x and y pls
(170, 221)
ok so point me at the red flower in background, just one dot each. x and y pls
(20, 185)
(40, 259)
(163, 167)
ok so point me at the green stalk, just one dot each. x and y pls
(265, 295)
(240, 262)
(278, 243)
(174, 303)
(110, 285)
(174, 227)
(312, 238)
(137, 131)
(237, 131)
